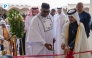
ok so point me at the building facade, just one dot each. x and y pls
(86, 6)
(25, 8)
(21, 8)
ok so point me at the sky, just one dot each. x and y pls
(53, 3)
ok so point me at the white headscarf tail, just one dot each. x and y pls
(2, 22)
(63, 11)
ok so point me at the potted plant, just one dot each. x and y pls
(15, 20)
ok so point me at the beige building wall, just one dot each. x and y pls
(90, 38)
(90, 10)
(3, 11)
(21, 8)
(86, 7)
(24, 11)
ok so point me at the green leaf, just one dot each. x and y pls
(16, 22)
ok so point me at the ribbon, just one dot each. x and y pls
(70, 54)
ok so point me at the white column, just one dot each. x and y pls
(90, 9)
(90, 38)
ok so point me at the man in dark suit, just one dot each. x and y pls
(84, 17)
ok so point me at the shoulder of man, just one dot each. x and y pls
(86, 13)
(81, 25)
(66, 24)
(35, 18)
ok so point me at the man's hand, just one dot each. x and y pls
(66, 50)
(54, 40)
(63, 46)
(48, 46)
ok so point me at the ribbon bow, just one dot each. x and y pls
(70, 54)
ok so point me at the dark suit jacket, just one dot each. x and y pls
(85, 19)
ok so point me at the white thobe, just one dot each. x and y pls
(81, 41)
(59, 21)
(27, 22)
(40, 32)
(53, 17)
(27, 25)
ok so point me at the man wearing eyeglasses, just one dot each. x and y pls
(40, 36)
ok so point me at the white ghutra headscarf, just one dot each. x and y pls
(74, 13)
(62, 11)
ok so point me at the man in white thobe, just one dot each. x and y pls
(40, 36)
(33, 11)
(74, 38)
(59, 21)
(52, 13)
